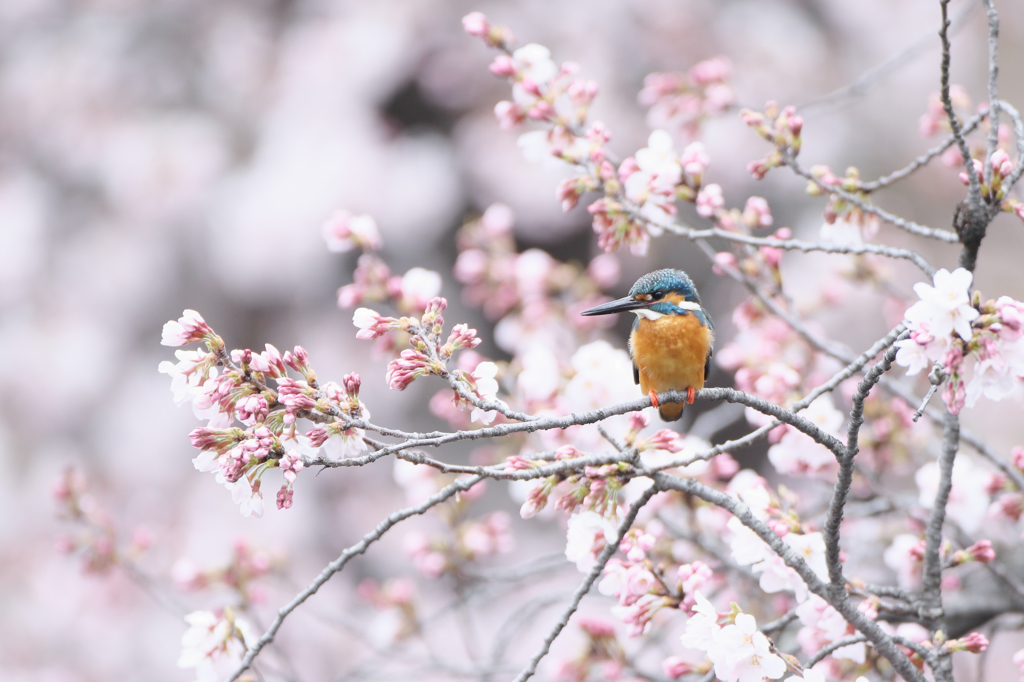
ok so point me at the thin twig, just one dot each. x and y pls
(931, 582)
(339, 563)
(882, 642)
(844, 479)
(922, 160)
(587, 583)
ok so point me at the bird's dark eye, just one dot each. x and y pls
(656, 294)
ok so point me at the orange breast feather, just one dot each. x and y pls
(670, 353)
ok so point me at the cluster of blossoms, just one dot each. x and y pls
(682, 102)
(396, 617)
(227, 386)
(975, 348)
(96, 536)
(239, 574)
(640, 194)
(464, 540)
(995, 192)
(215, 643)
(430, 352)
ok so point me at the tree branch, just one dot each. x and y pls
(587, 583)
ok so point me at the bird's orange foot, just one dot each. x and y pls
(691, 393)
(654, 398)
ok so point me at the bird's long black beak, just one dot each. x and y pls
(619, 306)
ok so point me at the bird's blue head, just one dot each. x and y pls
(658, 293)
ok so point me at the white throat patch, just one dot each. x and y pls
(648, 314)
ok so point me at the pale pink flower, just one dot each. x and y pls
(486, 389)
(344, 231)
(702, 628)
(419, 285)
(371, 324)
(214, 645)
(476, 24)
(709, 199)
(757, 213)
(587, 536)
(189, 328)
(743, 654)
(968, 498)
(945, 307)
(248, 498)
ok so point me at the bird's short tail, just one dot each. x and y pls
(671, 412)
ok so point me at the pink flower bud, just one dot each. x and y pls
(503, 66)
(352, 383)
(476, 24)
(757, 213)
(796, 124)
(189, 328)
(974, 643)
(978, 169)
(542, 111)
(595, 627)
(675, 667)
(638, 421)
(981, 551)
(509, 115)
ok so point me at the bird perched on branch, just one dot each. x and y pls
(672, 338)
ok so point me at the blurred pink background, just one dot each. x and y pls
(157, 155)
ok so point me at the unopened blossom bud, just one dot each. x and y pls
(1010, 505)
(974, 643)
(509, 114)
(518, 463)
(352, 383)
(595, 627)
(285, 496)
(252, 408)
(503, 66)
(917, 551)
(978, 169)
(638, 421)
(476, 24)
(343, 231)
(694, 159)
(435, 307)
(582, 92)
(290, 465)
(780, 528)
(402, 371)
(981, 551)
(371, 324)
(709, 200)
(757, 213)
(462, 337)
(665, 439)
(675, 667)
(318, 436)
(189, 328)
(1001, 164)
(796, 124)
(216, 440)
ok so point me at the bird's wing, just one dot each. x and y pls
(711, 348)
(636, 370)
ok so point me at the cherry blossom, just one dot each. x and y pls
(945, 307)
(743, 654)
(587, 535)
(344, 232)
(214, 645)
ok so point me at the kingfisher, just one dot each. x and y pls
(672, 338)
